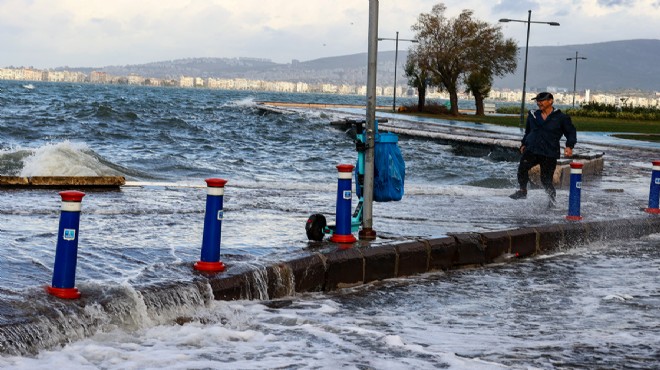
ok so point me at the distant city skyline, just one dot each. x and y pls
(562, 96)
(91, 33)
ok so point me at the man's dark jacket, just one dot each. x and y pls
(542, 137)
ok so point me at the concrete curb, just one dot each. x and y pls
(343, 268)
(23, 326)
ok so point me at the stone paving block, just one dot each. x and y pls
(654, 223)
(575, 233)
(471, 251)
(344, 268)
(231, 287)
(308, 273)
(379, 263)
(497, 243)
(550, 237)
(523, 242)
(604, 230)
(280, 281)
(443, 253)
(637, 227)
(413, 258)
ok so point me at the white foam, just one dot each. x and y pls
(454, 190)
(63, 159)
(245, 102)
(618, 297)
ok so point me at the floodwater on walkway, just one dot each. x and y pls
(280, 169)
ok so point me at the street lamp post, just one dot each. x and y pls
(396, 57)
(529, 22)
(575, 75)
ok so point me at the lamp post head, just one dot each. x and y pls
(505, 20)
(553, 23)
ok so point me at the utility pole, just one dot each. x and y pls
(367, 232)
(575, 75)
(396, 58)
(529, 21)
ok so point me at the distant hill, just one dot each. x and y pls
(615, 65)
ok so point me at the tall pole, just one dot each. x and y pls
(529, 22)
(575, 75)
(367, 231)
(396, 58)
(522, 104)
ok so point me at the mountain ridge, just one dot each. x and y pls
(611, 65)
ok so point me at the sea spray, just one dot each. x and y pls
(61, 159)
(50, 323)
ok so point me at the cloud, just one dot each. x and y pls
(514, 6)
(47, 33)
(613, 3)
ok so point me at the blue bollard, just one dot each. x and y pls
(654, 193)
(574, 195)
(342, 232)
(210, 259)
(66, 252)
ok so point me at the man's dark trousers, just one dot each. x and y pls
(547, 164)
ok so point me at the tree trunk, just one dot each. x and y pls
(479, 103)
(421, 98)
(453, 100)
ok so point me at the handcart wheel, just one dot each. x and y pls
(314, 227)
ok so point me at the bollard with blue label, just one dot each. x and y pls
(66, 252)
(342, 232)
(210, 259)
(574, 195)
(654, 193)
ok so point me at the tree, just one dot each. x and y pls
(453, 49)
(479, 83)
(418, 77)
(492, 56)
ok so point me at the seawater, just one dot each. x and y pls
(569, 309)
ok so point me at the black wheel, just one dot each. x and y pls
(314, 227)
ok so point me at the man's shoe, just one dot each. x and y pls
(520, 194)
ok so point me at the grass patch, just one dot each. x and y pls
(648, 129)
(654, 138)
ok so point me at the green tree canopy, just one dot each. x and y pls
(418, 76)
(453, 49)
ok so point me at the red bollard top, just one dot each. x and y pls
(215, 183)
(72, 196)
(656, 163)
(345, 167)
(576, 165)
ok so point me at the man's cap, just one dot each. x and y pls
(543, 96)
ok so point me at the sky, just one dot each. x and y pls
(96, 33)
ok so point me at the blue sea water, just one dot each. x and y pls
(570, 309)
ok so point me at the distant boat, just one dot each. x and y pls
(28, 86)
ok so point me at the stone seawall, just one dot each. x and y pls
(336, 268)
(28, 326)
(62, 182)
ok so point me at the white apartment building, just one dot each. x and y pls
(561, 97)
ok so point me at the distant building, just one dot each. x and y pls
(186, 81)
(562, 95)
(98, 77)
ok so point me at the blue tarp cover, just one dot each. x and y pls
(389, 169)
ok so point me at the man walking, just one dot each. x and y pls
(540, 144)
